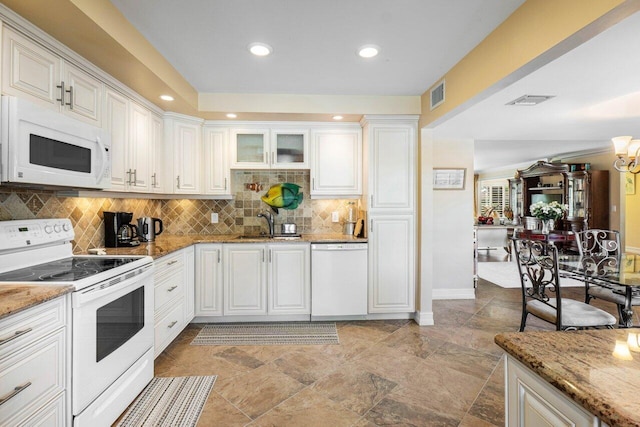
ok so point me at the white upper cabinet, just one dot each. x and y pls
(116, 121)
(250, 148)
(182, 145)
(130, 128)
(159, 173)
(336, 166)
(83, 94)
(289, 149)
(34, 72)
(391, 178)
(215, 148)
(140, 149)
(264, 148)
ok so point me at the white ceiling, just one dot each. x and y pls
(596, 86)
(597, 96)
(315, 42)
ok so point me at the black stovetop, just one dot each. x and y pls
(64, 270)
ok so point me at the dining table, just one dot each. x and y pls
(622, 276)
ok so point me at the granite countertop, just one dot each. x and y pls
(581, 365)
(15, 297)
(165, 244)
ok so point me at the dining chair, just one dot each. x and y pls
(542, 294)
(600, 254)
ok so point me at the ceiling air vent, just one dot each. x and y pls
(529, 100)
(437, 95)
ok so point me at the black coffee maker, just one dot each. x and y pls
(118, 230)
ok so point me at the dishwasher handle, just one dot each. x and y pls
(340, 247)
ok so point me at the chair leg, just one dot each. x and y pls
(523, 320)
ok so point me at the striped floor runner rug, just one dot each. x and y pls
(268, 334)
(169, 402)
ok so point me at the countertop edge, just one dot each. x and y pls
(592, 403)
(45, 294)
(165, 245)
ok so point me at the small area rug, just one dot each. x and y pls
(268, 334)
(505, 275)
(170, 401)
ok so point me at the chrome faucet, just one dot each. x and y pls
(269, 217)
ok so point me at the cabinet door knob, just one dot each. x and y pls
(173, 288)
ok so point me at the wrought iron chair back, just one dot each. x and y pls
(601, 256)
(538, 269)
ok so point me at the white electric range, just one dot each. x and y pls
(112, 313)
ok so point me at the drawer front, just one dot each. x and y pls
(52, 415)
(168, 327)
(31, 377)
(30, 325)
(169, 264)
(168, 289)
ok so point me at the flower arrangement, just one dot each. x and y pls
(545, 211)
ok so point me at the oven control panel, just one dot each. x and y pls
(33, 232)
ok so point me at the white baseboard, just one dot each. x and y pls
(632, 249)
(424, 318)
(454, 294)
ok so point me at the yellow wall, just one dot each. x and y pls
(632, 213)
(536, 33)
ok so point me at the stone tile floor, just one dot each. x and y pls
(382, 373)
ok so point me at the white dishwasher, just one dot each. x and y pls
(338, 279)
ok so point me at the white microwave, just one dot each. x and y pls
(45, 147)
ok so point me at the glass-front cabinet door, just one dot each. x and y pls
(269, 149)
(250, 148)
(576, 195)
(289, 149)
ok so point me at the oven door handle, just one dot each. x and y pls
(114, 287)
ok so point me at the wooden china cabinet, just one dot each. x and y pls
(586, 192)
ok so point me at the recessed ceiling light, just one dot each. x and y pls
(166, 97)
(231, 115)
(368, 51)
(338, 117)
(260, 49)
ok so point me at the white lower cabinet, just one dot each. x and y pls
(208, 298)
(34, 366)
(391, 264)
(289, 278)
(245, 279)
(255, 279)
(174, 296)
(533, 402)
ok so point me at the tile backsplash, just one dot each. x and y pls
(180, 216)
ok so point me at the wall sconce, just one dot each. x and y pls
(629, 146)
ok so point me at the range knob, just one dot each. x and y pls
(48, 229)
(66, 226)
(57, 228)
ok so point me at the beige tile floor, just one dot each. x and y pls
(382, 373)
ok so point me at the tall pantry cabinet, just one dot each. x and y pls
(390, 153)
